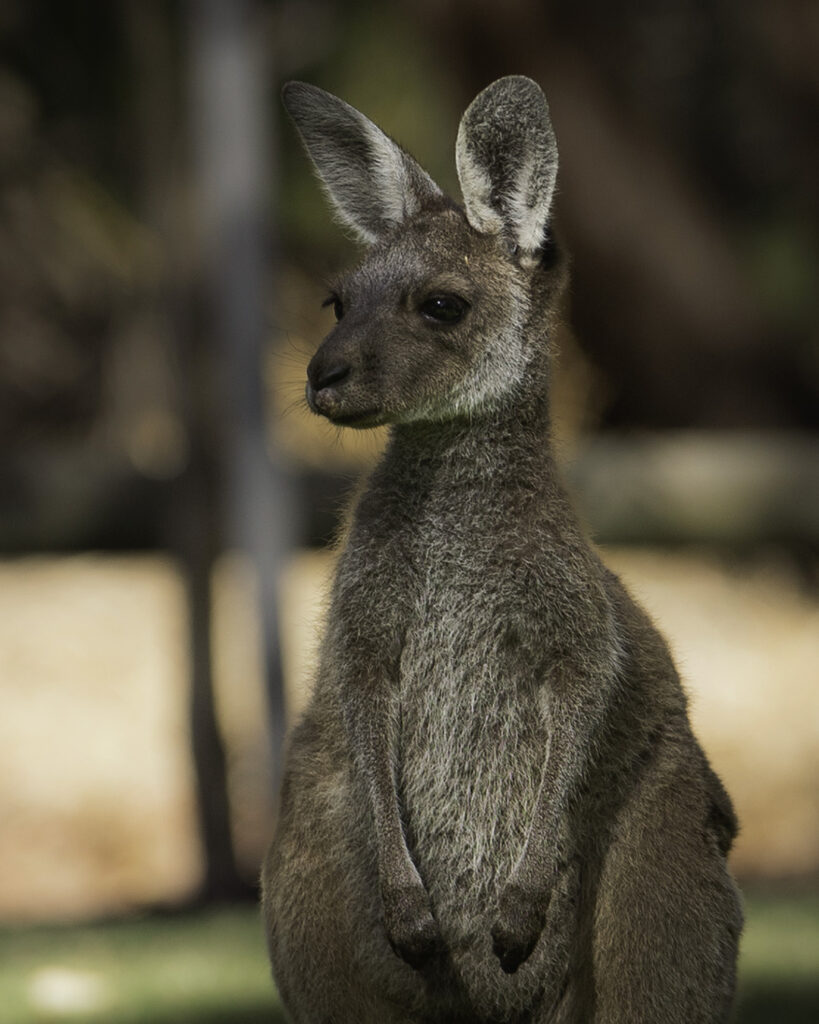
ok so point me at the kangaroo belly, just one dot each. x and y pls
(473, 739)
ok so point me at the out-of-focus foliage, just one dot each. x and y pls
(687, 192)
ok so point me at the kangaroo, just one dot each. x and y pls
(494, 808)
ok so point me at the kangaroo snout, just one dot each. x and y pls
(324, 375)
(341, 385)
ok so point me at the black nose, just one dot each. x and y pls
(334, 374)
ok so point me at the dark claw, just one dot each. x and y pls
(418, 945)
(411, 928)
(517, 928)
(512, 952)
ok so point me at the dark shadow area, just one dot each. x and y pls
(772, 1004)
(262, 1014)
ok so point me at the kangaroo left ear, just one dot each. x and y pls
(506, 155)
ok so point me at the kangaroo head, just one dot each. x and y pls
(447, 314)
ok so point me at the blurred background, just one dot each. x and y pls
(167, 502)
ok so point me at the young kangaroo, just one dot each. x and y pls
(494, 809)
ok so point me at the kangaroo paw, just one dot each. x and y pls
(517, 927)
(411, 928)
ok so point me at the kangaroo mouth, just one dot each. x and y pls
(368, 418)
(329, 403)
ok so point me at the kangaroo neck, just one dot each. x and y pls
(509, 446)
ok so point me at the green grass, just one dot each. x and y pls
(779, 961)
(210, 967)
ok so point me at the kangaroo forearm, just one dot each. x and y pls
(410, 927)
(575, 729)
(372, 737)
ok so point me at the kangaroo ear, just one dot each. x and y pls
(371, 182)
(506, 156)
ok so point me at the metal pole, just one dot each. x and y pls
(232, 135)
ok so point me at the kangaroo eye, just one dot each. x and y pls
(444, 309)
(336, 303)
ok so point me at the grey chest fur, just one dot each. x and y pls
(473, 730)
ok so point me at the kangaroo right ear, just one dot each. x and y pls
(506, 156)
(372, 184)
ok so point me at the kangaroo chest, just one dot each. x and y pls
(473, 715)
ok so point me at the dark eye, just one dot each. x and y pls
(444, 309)
(336, 303)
